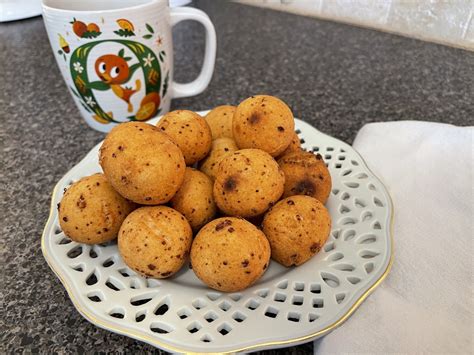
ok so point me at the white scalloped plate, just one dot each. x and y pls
(286, 306)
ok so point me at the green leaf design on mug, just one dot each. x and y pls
(91, 34)
(147, 36)
(86, 107)
(165, 85)
(98, 85)
(162, 56)
(124, 33)
(74, 91)
(149, 28)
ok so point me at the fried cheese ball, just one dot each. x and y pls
(263, 122)
(229, 254)
(189, 131)
(297, 228)
(220, 121)
(306, 174)
(142, 164)
(91, 211)
(155, 241)
(194, 198)
(248, 183)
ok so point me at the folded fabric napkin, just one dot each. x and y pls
(426, 303)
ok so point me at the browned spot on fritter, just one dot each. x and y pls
(245, 263)
(319, 157)
(81, 202)
(151, 266)
(281, 129)
(290, 202)
(304, 187)
(223, 224)
(315, 247)
(231, 230)
(167, 273)
(254, 118)
(230, 184)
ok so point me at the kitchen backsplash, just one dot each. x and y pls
(448, 22)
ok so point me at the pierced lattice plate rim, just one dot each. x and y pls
(287, 306)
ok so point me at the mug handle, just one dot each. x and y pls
(197, 86)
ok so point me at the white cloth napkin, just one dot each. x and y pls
(426, 303)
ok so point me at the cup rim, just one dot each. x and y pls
(111, 11)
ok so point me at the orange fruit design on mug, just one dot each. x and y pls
(92, 30)
(148, 106)
(92, 27)
(100, 119)
(79, 27)
(126, 25)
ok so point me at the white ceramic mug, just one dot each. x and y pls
(117, 56)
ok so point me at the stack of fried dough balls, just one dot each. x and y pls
(214, 177)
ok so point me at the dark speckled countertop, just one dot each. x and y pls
(335, 76)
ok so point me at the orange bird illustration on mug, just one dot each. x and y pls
(114, 71)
